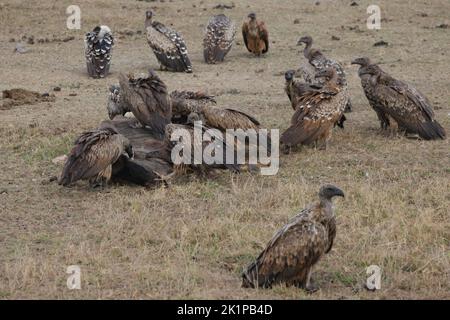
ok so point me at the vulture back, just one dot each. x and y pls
(219, 38)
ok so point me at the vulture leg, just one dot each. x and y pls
(310, 287)
(348, 107)
(102, 179)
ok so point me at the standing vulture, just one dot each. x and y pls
(316, 113)
(93, 155)
(218, 39)
(146, 97)
(294, 250)
(319, 62)
(405, 104)
(167, 45)
(98, 45)
(255, 34)
(383, 117)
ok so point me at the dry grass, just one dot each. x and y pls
(192, 240)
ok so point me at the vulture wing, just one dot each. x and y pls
(98, 46)
(185, 102)
(264, 35)
(148, 100)
(168, 47)
(409, 108)
(290, 254)
(93, 153)
(228, 119)
(219, 38)
(245, 35)
(314, 118)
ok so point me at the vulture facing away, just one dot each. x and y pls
(255, 34)
(167, 45)
(316, 113)
(98, 45)
(146, 97)
(319, 62)
(294, 250)
(219, 38)
(405, 104)
(93, 155)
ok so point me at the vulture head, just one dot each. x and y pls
(127, 147)
(373, 71)
(252, 16)
(306, 40)
(289, 75)
(148, 18)
(193, 117)
(102, 31)
(328, 191)
(114, 106)
(363, 62)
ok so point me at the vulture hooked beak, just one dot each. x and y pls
(129, 151)
(338, 192)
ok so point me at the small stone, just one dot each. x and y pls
(59, 159)
(354, 4)
(72, 94)
(20, 48)
(297, 21)
(381, 43)
(335, 38)
(57, 89)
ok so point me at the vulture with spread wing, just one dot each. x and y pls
(255, 34)
(294, 250)
(146, 97)
(405, 104)
(219, 38)
(98, 46)
(93, 155)
(318, 62)
(316, 113)
(184, 136)
(167, 45)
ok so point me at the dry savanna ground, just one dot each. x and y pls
(193, 239)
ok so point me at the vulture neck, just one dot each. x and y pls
(327, 206)
(148, 23)
(308, 50)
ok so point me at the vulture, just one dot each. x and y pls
(317, 62)
(316, 113)
(202, 167)
(146, 97)
(219, 37)
(98, 45)
(293, 251)
(406, 105)
(183, 101)
(167, 45)
(255, 34)
(296, 90)
(93, 155)
(383, 117)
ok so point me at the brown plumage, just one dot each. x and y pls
(196, 161)
(93, 155)
(147, 98)
(405, 104)
(316, 113)
(219, 37)
(201, 107)
(167, 45)
(256, 36)
(319, 62)
(293, 251)
(383, 117)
